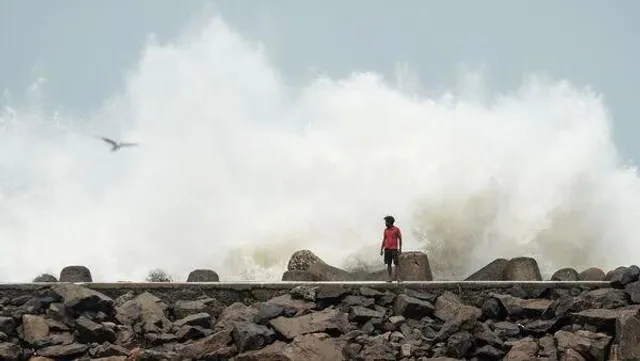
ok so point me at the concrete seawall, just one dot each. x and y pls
(291, 321)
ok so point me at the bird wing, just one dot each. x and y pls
(109, 141)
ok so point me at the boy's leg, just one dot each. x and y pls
(388, 259)
(395, 265)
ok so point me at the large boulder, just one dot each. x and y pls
(314, 268)
(203, 275)
(75, 274)
(592, 274)
(306, 266)
(492, 272)
(522, 269)
(565, 274)
(414, 266)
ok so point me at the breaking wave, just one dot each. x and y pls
(237, 169)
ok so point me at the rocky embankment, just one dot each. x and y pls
(324, 322)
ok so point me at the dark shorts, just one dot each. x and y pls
(391, 255)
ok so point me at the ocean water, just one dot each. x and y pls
(238, 168)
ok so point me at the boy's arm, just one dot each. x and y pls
(382, 244)
(399, 240)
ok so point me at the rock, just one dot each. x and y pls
(45, 278)
(267, 312)
(306, 260)
(411, 307)
(10, 351)
(89, 331)
(456, 315)
(290, 305)
(605, 320)
(78, 299)
(63, 351)
(459, 344)
(203, 275)
(145, 313)
(522, 269)
(249, 336)
(7, 325)
(331, 321)
(304, 292)
(590, 345)
(522, 350)
(237, 312)
(182, 308)
(75, 274)
(565, 274)
(608, 298)
(592, 274)
(307, 347)
(633, 290)
(202, 319)
(631, 274)
(200, 348)
(35, 328)
(361, 314)
(627, 331)
(300, 276)
(414, 266)
(494, 271)
(526, 308)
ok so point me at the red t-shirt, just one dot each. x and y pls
(391, 237)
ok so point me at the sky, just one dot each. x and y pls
(85, 49)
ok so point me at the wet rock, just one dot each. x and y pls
(75, 274)
(522, 269)
(565, 274)
(203, 275)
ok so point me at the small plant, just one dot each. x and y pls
(158, 275)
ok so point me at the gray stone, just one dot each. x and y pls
(203, 275)
(75, 274)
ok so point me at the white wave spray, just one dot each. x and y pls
(237, 170)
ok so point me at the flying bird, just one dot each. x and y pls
(117, 145)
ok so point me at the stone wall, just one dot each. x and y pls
(321, 321)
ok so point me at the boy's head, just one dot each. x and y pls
(389, 221)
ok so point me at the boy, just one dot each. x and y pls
(391, 246)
